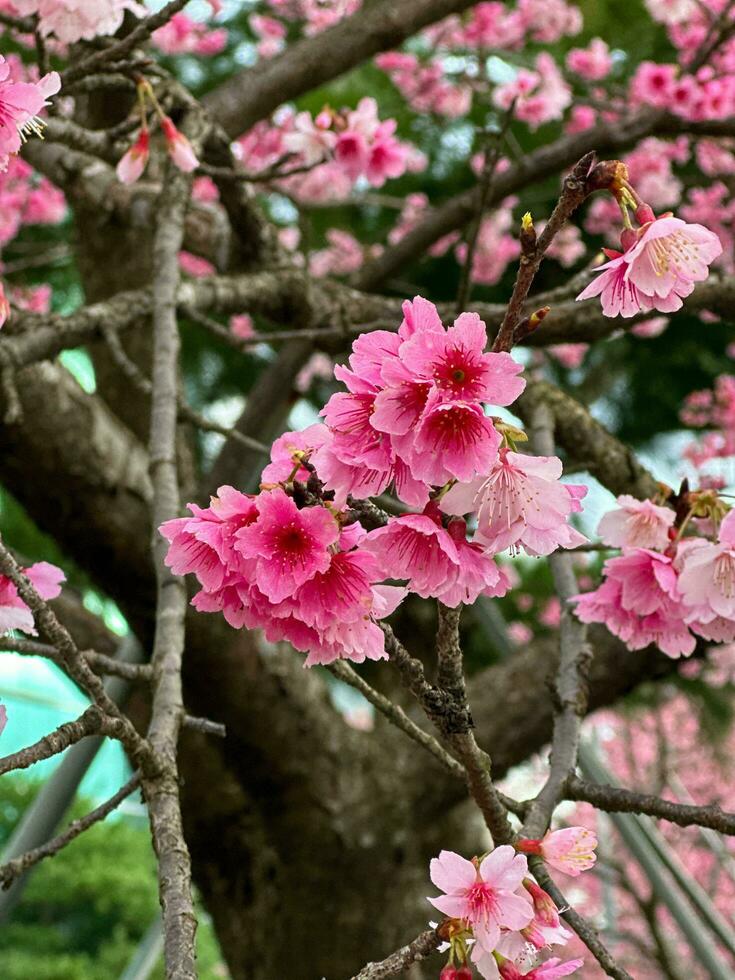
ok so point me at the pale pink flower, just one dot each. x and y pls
(571, 850)
(618, 295)
(179, 148)
(639, 602)
(484, 894)
(637, 524)
(134, 161)
(14, 613)
(593, 62)
(3, 718)
(669, 256)
(290, 545)
(650, 328)
(312, 140)
(570, 356)
(520, 503)
(76, 20)
(707, 576)
(20, 104)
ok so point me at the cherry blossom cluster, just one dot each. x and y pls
(75, 20)
(14, 613)
(313, 16)
(306, 562)
(668, 586)
(183, 35)
(328, 153)
(713, 409)
(500, 918)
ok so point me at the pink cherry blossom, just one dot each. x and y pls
(179, 148)
(571, 850)
(591, 63)
(454, 440)
(288, 449)
(639, 602)
(707, 577)
(637, 524)
(204, 544)
(3, 718)
(484, 894)
(669, 256)
(520, 503)
(134, 161)
(76, 20)
(290, 545)
(457, 365)
(312, 140)
(20, 104)
(619, 296)
(241, 326)
(549, 970)
(14, 613)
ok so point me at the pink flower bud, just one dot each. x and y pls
(134, 162)
(448, 973)
(179, 148)
(628, 238)
(543, 904)
(644, 214)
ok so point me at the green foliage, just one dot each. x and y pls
(85, 910)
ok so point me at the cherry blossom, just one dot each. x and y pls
(134, 161)
(707, 577)
(20, 104)
(636, 524)
(520, 503)
(484, 894)
(571, 850)
(289, 545)
(179, 148)
(640, 602)
(76, 20)
(14, 613)
(4, 306)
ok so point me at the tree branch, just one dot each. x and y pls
(421, 947)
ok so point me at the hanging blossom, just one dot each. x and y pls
(78, 20)
(297, 560)
(499, 917)
(14, 613)
(659, 266)
(20, 104)
(571, 850)
(134, 161)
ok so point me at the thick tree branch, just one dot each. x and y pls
(379, 25)
(162, 793)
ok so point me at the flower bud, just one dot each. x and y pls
(134, 161)
(448, 973)
(543, 904)
(179, 148)
(644, 214)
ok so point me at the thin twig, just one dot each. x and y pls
(421, 947)
(574, 659)
(13, 869)
(100, 663)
